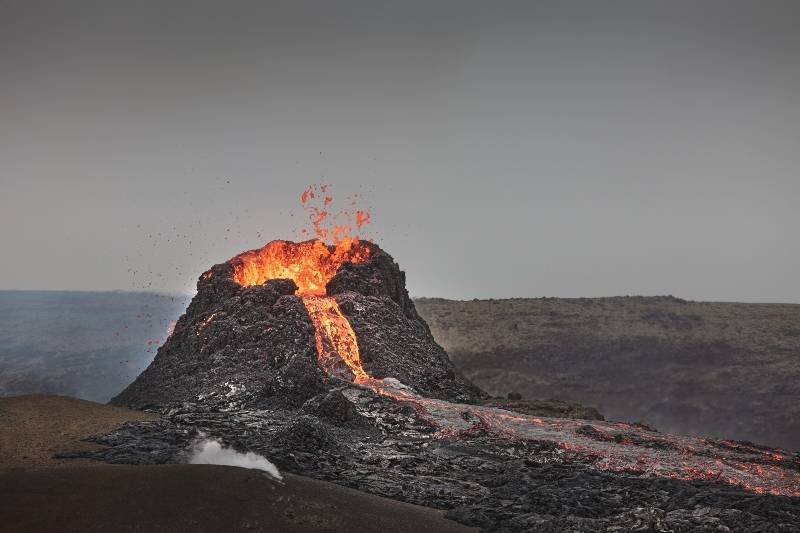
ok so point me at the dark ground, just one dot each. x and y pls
(39, 493)
(251, 367)
(197, 498)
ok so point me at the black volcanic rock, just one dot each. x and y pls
(333, 407)
(482, 480)
(392, 338)
(380, 277)
(392, 344)
(254, 346)
(233, 347)
(241, 367)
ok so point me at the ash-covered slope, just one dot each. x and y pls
(254, 345)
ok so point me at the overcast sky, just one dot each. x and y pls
(505, 148)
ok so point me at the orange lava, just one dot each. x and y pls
(337, 348)
(326, 223)
(311, 264)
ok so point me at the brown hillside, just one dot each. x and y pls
(720, 369)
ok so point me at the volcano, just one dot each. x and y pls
(313, 355)
(286, 322)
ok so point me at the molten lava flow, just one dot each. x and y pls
(311, 264)
(337, 348)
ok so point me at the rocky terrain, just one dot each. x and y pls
(719, 369)
(40, 492)
(258, 366)
(727, 370)
(355, 438)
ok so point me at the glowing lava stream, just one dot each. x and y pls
(337, 347)
(311, 265)
(607, 445)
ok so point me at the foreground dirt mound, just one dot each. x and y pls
(39, 492)
(35, 427)
(197, 498)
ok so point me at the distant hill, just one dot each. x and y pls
(85, 344)
(721, 369)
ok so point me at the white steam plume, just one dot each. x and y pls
(211, 452)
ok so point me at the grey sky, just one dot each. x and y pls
(506, 149)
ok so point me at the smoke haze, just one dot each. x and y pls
(505, 149)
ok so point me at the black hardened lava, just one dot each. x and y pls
(241, 367)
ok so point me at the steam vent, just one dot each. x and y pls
(283, 323)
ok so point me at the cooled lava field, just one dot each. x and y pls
(314, 356)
